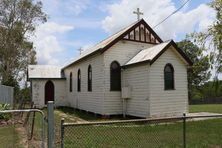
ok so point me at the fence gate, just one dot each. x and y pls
(22, 128)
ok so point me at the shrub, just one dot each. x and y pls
(4, 116)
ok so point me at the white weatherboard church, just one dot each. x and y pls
(132, 72)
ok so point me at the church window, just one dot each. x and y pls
(70, 82)
(89, 78)
(115, 76)
(79, 81)
(168, 77)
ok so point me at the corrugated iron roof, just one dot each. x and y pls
(44, 71)
(102, 44)
(147, 54)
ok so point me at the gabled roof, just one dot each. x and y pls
(44, 72)
(110, 41)
(154, 52)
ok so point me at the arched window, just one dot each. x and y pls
(70, 82)
(89, 78)
(115, 76)
(168, 77)
(79, 81)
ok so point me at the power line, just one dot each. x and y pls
(171, 14)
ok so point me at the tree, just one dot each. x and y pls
(18, 20)
(212, 38)
(199, 73)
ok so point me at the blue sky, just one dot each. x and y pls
(82, 23)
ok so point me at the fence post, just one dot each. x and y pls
(62, 133)
(184, 130)
(51, 134)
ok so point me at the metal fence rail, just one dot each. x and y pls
(23, 122)
(161, 132)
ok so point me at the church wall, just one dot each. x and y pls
(122, 52)
(38, 92)
(136, 78)
(85, 100)
(168, 102)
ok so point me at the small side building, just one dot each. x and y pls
(47, 84)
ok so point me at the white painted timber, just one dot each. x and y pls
(136, 78)
(168, 102)
(121, 52)
(86, 100)
(38, 92)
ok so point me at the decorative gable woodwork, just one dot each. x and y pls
(142, 33)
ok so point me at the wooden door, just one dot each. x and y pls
(49, 91)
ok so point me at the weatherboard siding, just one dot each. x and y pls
(122, 52)
(168, 102)
(136, 78)
(38, 92)
(85, 100)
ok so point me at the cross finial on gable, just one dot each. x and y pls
(138, 13)
(80, 50)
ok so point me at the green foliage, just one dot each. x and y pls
(209, 90)
(212, 38)
(18, 19)
(25, 93)
(199, 73)
(4, 116)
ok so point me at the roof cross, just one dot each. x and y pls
(138, 13)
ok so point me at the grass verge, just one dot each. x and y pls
(213, 108)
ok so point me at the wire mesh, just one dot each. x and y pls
(130, 134)
(204, 132)
(187, 131)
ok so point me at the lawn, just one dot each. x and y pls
(9, 137)
(200, 134)
(214, 108)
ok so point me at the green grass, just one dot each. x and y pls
(213, 108)
(200, 134)
(9, 137)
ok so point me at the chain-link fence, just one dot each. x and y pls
(185, 131)
(22, 128)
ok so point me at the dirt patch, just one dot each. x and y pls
(23, 140)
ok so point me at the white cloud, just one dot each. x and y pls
(65, 7)
(120, 15)
(48, 43)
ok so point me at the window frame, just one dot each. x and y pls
(70, 82)
(112, 85)
(89, 78)
(172, 75)
(79, 80)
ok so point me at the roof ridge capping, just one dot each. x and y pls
(105, 44)
(151, 54)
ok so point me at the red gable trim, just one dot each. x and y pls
(129, 30)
